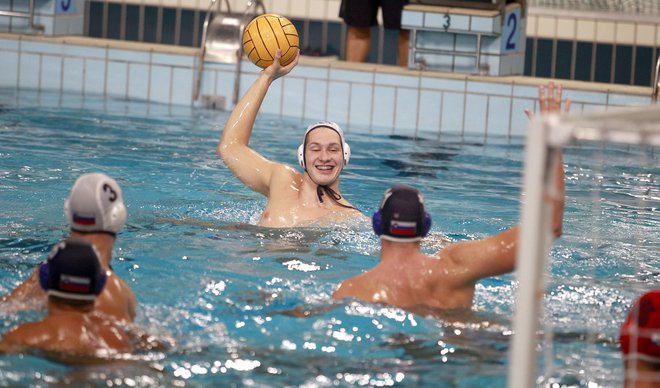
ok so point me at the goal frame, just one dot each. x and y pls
(546, 134)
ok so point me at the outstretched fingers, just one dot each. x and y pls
(550, 98)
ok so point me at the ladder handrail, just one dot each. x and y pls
(29, 15)
(656, 82)
(251, 7)
(202, 54)
(237, 73)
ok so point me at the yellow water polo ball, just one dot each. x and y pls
(265, 34)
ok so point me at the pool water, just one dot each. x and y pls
(247, 305)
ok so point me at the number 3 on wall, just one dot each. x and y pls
(511, 31)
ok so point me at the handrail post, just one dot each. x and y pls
(29, 15)
(656, 81)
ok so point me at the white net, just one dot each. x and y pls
(607, 256)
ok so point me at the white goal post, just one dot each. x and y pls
(632, 125)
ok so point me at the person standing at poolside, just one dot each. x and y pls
(72, 277)
(95, 212)
(640, 342)
(294, 198)
(409, 279)
(361, 15)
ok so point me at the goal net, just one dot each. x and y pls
(580, 288)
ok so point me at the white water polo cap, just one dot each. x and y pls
(95, 204)
(346, 150)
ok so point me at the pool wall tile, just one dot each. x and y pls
(627, 99)
(84, 52)
(452, 103)
(41, 48)
(73, 71)
(361, 104)
(499, 112)
(292, 92)
(132, 56)
(138, 81)
(489, 88)
(173, 60)
(476, 108)
(350, 75)
(72, 101)
(526, 91)
(208, 85)
(396, 80)
(160, 83)
(181, 86)
(29, 65)
(430, 109)
(338, 101)
(116, 79)
(315, 100)
(443, 84)
(224, 85)
(384, 104)
(412, 19)
(484, 24)
(590, 108)
(51, 72)
(406, 108)
(9, 45)
(9, 69)
(94, 76)
(432, 40)
(519, 120)
(465, 43)
(245, 81)
(309, 72)
(585, 96)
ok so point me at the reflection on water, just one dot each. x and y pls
(247, 305)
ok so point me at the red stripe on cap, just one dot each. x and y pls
(404, 231)
(73, 287)
(84, 220)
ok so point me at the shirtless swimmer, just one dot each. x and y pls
(294, 198)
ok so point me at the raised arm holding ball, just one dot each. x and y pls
(294, 198)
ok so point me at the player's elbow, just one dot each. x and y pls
(224, 151)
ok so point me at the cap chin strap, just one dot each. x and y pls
(335, 196)
(113, 234)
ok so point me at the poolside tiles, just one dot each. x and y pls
(362, 97)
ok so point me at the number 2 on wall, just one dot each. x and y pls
(511, 31)
(512, 24)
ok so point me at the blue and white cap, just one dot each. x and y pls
(73, 271)
(328, 124)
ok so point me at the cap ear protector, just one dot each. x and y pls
(44, 278)
(377, 224)
(401, 216)
(346, 149)
(46, 282)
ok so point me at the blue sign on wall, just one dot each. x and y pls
(511, 31)
(65, 7)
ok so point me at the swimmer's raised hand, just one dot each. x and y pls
(551, 101)
(276, 70)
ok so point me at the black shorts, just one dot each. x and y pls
(364, 13)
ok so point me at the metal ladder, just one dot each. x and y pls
(29, 15)
(222, 40)
(656, 82)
